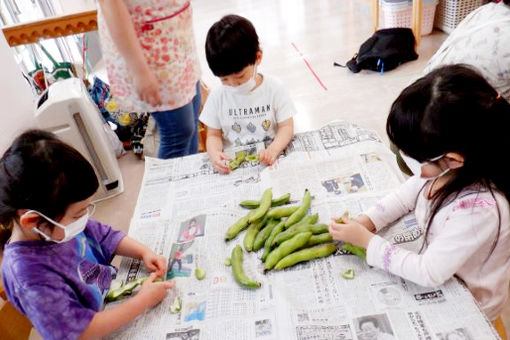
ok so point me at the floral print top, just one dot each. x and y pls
(165, 31)
(482, 40)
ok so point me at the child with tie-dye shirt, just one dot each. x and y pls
(56, 261)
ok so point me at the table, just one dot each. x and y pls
(345, 167)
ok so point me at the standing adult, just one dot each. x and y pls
(152, 64)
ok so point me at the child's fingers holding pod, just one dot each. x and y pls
(168, 284)
(271, 159)
(221, 167)
(225, 157)
(150, 279)
(263, 156)
(336, 231)
(274, 157)
(160, 265)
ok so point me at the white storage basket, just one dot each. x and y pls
(398, 13)
(451, 12)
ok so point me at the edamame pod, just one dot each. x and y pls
(295, 229)
(123, 289)
(286, 248)
(306, 254)
(263, 234)
(280, 212)
(253, 204)
(265, 203)
(237, 269)
(301, 212)
(355, 250)
(252, 232)
(235, 163)
(267, 245)
(318, 239)
(308, 219)
(237, 227)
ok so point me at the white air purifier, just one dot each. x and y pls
(67, 110)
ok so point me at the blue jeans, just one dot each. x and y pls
(178, 129)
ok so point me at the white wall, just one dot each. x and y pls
(17, 101)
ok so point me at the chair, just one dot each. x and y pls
(500, 328)
(202, 129)
(13, 325)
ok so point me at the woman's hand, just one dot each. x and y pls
(154, 263)
(268, 156)
(147, 87)
(153, 292)
(350, 231)
(219, 160)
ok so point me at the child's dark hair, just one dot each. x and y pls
(40, 172)
(231, 44)
(454, 109)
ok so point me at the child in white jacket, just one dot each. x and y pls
(450, 127)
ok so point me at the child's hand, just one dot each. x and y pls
(153, 292)
(218, 160)
(154, 263)
(268, 156)
(350, 231)
(147, 87)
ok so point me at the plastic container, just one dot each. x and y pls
(451, 12)
(399, 13)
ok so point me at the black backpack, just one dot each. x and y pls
(384, 51)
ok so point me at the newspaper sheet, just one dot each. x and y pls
(184, 208)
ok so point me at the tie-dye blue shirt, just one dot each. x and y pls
(60, 287)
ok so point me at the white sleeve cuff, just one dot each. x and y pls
(375, 216)
(379, 253)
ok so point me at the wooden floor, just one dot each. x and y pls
(301, 40)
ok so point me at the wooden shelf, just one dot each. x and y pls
(49, 28)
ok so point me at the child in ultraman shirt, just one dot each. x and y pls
(249, 107)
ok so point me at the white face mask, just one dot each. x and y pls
(415, 166)
(246, 87)
(70, 230)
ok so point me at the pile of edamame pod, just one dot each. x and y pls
(285, 232)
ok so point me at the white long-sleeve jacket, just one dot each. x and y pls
(459, 242)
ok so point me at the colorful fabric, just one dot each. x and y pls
(482, 40)
(60, 287)
(247, 119)
(169, 46)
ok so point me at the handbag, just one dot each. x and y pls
(384, 50)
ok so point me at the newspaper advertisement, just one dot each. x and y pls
(185, 207)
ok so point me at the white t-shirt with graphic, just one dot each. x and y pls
(250, 118)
